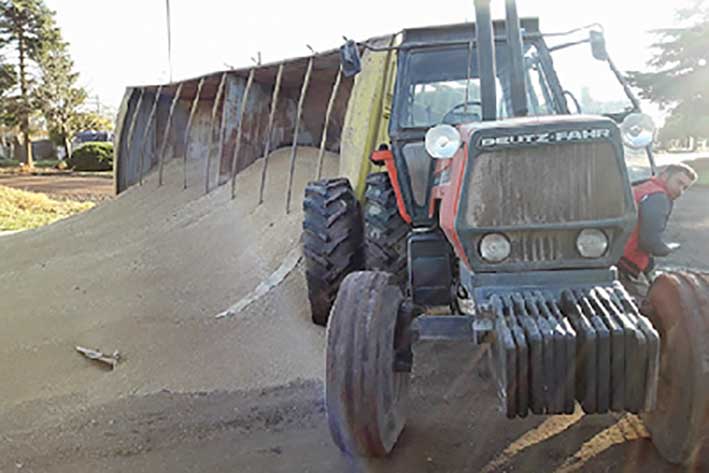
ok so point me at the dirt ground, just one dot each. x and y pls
(244, 394)
(78, 188)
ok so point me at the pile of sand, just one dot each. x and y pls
(145, 274)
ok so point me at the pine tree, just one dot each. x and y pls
(57, 95)
(26, 28)
(679, 79)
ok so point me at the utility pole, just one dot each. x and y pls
(169, 38)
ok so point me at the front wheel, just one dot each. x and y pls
(678, 307)
(366, 398)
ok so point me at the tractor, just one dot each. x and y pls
(499, 220)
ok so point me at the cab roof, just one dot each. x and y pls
(462, 33)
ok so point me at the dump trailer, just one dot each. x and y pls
(498, 220)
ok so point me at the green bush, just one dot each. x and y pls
(8, 163)
(92, 156)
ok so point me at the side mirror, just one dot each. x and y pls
(598, 45)
(349, 58)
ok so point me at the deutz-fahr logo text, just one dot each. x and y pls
(562, 136)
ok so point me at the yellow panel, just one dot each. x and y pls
(367, 115)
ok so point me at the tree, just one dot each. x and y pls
(58, 96)
(91, 120)
(679, 81)
(27, 28)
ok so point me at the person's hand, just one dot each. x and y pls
(673, 246)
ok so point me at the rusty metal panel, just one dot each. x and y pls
(121, 144)
(328, 113)
(200, 134)
(166, 135)
(255, 117)
(188, 128)
(166, 132)
(213, 127)
(148, 126)
(239, 131)
(269, 129)
(296, 130)
(136, 139)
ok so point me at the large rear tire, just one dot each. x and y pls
(366, 399)
(332, 241)
(678, 306)
(385, 232)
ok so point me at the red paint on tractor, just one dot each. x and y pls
(443, 168)
(387, 157)
(450, 202)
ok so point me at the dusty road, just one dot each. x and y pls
(454, 428)
(196, 394)
(79, 188)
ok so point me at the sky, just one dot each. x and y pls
(116, 44)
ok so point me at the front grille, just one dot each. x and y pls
(547, 184)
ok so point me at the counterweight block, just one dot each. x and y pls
(589, 344)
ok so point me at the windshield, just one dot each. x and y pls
(591, 82)
(591, 88)
(442, 85)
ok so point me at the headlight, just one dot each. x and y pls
(442, 141)
(592, 243)
(495, 247)
(638, 130)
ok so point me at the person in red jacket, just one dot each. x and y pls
(654, 199)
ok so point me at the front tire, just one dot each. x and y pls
(366, 399)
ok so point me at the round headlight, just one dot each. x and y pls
(495, 247)
(442, 141)
(592, 243)
(638, 130)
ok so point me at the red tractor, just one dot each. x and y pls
(504, 214)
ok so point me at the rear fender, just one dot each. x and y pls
(386, 157)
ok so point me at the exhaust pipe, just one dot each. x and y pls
(514, 42)
(484, 37)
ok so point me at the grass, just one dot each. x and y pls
(9, 163)
(21, 210)
(42, 163)
(46, 163)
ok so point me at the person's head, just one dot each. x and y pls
(678, 178)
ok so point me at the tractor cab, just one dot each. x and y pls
(438, 83)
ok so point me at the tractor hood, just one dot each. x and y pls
(538, 184)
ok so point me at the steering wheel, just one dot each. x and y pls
(452, 112)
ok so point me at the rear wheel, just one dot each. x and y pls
(385, 232)
(332, 241)
(366, 398)
(678, 306)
